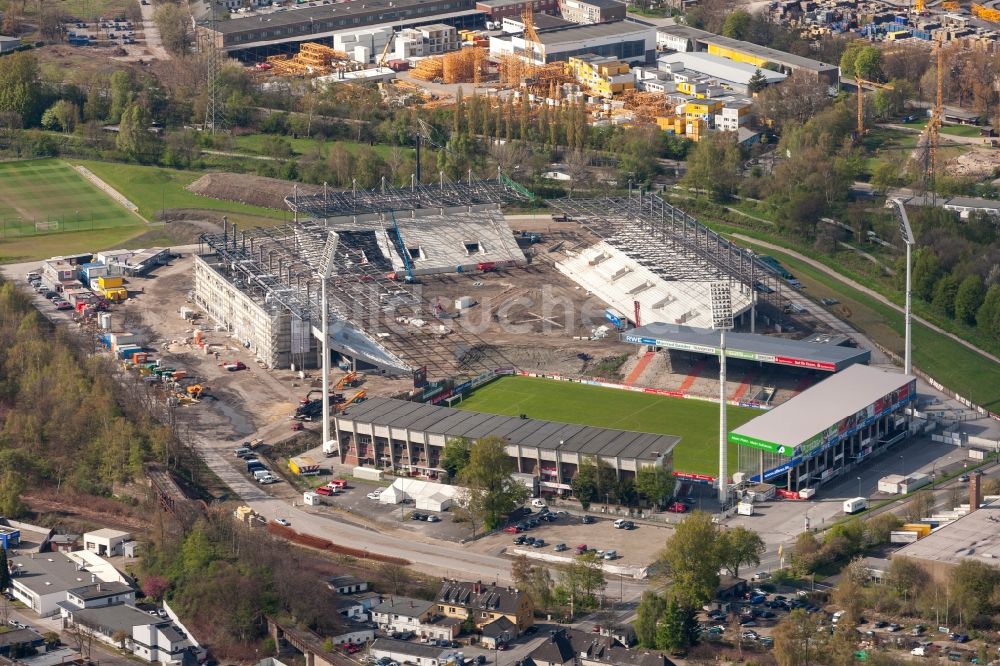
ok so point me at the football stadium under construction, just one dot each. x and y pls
(388, 249)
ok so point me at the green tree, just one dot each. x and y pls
(12, 486)
(637, 153)
(969, 299)
(926, 272)
(868, 64)
(460, 154)
(455, 456)
(974, 584)
(540, 587)
(670, 631)
(20, 88)
(655, 484)
(135, 140)
(173, 23)
(714, 165)
(757, 82)
(650, 610)
(737, 24)
(369, 167)
(580, 582)
(4, 570)
(691, 560)
(797, 640)
(492, 491)
(988, 314)
(737, 547)
(122, 93)
(945, 292)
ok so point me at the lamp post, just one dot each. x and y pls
(329, 254)
(722, 320)
(859, 487)
(906, 234)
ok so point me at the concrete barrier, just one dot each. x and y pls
(632, 571)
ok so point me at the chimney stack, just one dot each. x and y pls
(478, 587)
(975, 490)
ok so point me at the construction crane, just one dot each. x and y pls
(385, 52)
(402, 249)
(530, 39)
(919, 7)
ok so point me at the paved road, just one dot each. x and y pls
(153, 41)
(870, 292)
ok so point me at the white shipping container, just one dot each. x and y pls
(903, 537)
(464, 302)
(368, 473)
(745, 508)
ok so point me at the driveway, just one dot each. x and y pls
(154, 44)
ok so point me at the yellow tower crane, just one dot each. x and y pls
(530, 39)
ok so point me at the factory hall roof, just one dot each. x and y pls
(974, 536)
(319, 14)
(550, 435)
(774, 55)
(817, 408)
(717, 67)
(576, 33)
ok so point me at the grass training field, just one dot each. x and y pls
(50, 196)
(154, 188)
(696, 422)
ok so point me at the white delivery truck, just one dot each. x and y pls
(855, 505)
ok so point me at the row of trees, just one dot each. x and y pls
(578, 586)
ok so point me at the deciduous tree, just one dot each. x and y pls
(737, 547)
(492, 491)
(655, 484)
(691, 560)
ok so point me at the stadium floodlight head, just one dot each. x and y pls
(721, 295)
(906, 234)
(326, 270)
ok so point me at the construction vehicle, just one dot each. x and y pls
(196, 390)
(233, 366)
(357, 397)
(350, 380)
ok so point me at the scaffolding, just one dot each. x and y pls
(671, 243)
(445, 193)
(373, 317)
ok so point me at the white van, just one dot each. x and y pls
(538, 503)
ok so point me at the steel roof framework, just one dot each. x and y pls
(670, 242)
(443, 194)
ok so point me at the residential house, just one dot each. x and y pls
(497, 632)
(570, 647)
(485, 603)
(358, 606)
(19, 642)
(64, 543)
(97, 594)
(421, 617)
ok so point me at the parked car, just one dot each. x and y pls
(323, 490)
(512, 529)
(620, 523)
(432, 519)
(757, 599)
(581, 549)
(282, 521)
(895, 627)
(587, 520)
(539, 543)
(560, 547)
(677, 507)
(917, 630)
(539, 503)
(518, 540)
(611, 555)
(374, 495)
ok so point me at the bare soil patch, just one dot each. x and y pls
(247, 189)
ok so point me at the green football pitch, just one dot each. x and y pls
(49, 196)
(696, 422)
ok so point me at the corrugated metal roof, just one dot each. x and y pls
(717, 67)
(533, 433)
(823, 405)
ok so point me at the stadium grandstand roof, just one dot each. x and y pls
(749, 346)
(813, 411)
(316, 15)
(535, 433)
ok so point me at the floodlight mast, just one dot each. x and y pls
(722, 320)
(329, 256)
(906, 234)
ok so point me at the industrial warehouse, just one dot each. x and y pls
(410, 437)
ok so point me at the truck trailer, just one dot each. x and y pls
(855, 505)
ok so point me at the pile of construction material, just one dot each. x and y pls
(467, 65)
(312, 60)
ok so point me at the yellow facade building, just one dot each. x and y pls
(602, 76)
(485, 604)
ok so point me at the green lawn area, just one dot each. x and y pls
(153, 188)
(950, 363)
(960, 130)
(50, 196)
(695, 421)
